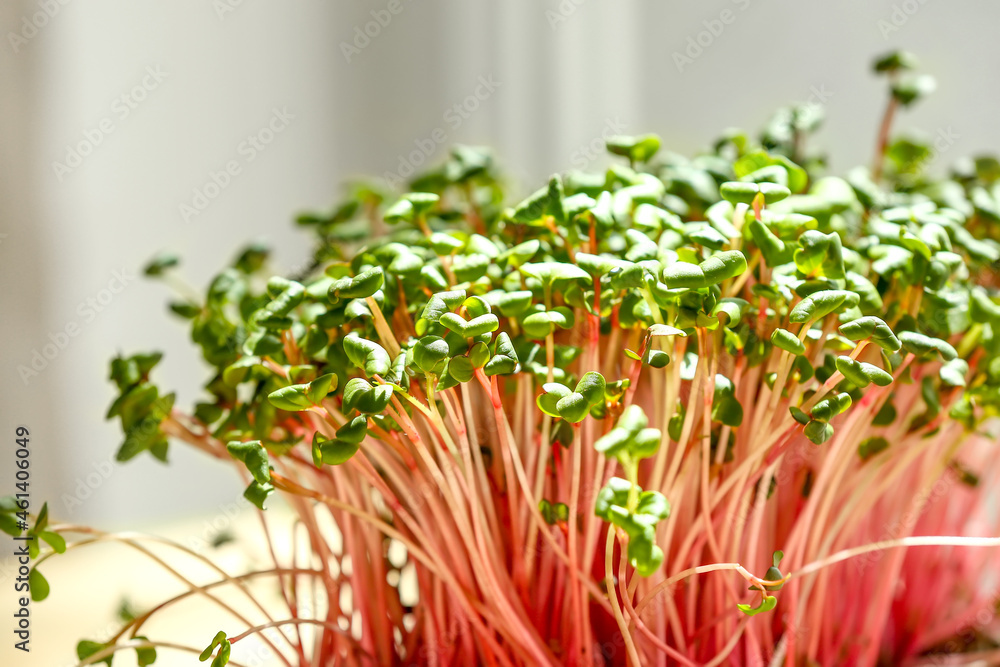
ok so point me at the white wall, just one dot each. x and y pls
(560, 79)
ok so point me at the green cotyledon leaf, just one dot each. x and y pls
(787, 341)
(861, 373)
(874, 328)
(254, 456)
(712, 271)
(366, 354)
(741, 192)
(820, 304)
(922, 345)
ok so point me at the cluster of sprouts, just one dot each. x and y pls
(725, 410)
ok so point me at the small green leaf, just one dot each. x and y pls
(715, 269)
(354, 431)
(366, 354)
(923, 346)
(549, 273)
(430, 351)
(788, 342)
(361, 395)
(874, 328)
(479, 355)
(553, 392)
(512, 304)
(287, 295)
(774, 574)
(799, 415)
(532, 208)
(768, 603)
(591, 387)
(461, 369)
(869, 447)
(441, 303)
(740, 192)
(573, 408)
(886, 415)
(729, 311)
(363, 285)
(895, 61)
(657, 358)
(471, 267)
(38, 585)
(645, 556)
(257, 493)
(820, 254)
(222, 659)
(613, 442)
(820, 304)
(520, 254)
(636, 149)
(861, 373)
(159, 264)
(477, 326)
(541, 324)
(818, 432)
(335, 451)
(254, 455)
(242, 370)
(953, 372)
(144, 656)
(982, 309)
(87, 648)
(292, 398)
(728, 411)
(633, 419)
(828, 408)
(770, 246)
(909, 89)
(319, 388)
(645, 443)
(505, 360)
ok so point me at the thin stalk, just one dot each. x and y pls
(609, 584)
(882, 142)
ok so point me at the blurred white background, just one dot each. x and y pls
(167, 93)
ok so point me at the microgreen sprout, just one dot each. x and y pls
(586, 418)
